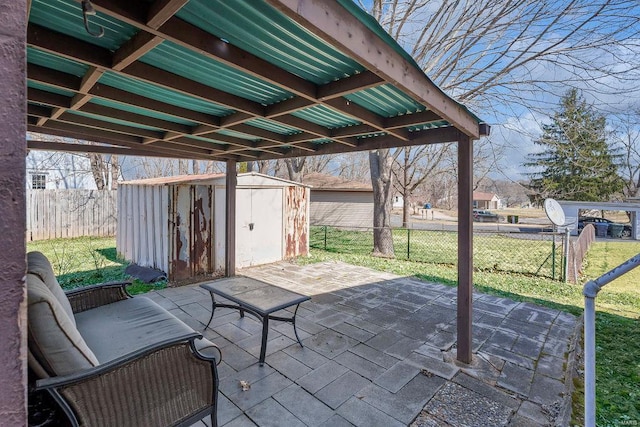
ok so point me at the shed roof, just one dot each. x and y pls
(325, 182)
(228, 80)
(202, 178)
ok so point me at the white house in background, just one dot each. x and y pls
(398, 201)
(338, 202)
(51, 171)
(486, 200)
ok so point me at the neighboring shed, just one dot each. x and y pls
(485, 200)
(177, 224)
(339, 202)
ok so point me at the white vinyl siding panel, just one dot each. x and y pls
(342, 208)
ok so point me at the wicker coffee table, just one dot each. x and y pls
(258, 298)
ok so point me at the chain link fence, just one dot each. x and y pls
(538, 254)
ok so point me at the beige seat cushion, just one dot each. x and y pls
(54, 339)
(39, 265)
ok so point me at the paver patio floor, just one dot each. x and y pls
(379, 350)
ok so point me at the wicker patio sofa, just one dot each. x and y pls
(110, 359)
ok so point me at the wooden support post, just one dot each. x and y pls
(13, 295)
(230, 215)
(465, 249)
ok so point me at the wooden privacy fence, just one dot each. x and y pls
(578, 250)
(55, 214)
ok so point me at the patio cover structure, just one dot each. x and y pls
(231, 81)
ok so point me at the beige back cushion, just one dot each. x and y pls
(54, 339)
(39, 265)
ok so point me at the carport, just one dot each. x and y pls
(572, 209)
(230, 81)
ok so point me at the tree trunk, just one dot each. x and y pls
(380, 162)
(295, 167)
(115, 171)
(97, 170)
(183, 167)
(263, 166)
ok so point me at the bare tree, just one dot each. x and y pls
(627, 134)
(413, 165)
(489, 53)
(353, 166)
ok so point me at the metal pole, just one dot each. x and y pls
(325, 237)
(589, 361)
(408, 242)
(553, 257)
(566, 255)
(590, 291)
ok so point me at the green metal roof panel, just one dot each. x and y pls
(273, 126)
(431, 125)
(235, 134)
(65, 16)
(141, 111)
(47, 88)
(45, 59)
(187, 63)
(325, 116)
(114, 120)
(386, 101)
(161, 94)
(258, 28)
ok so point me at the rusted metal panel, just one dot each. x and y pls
(296, 221)
(180, 247)
(201, 229)
(219, 226)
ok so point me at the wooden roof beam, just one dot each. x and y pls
(101, 149)
(65, 81)
(196, 39)
(71, 130)
(331, 22)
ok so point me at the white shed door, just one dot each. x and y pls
(258, 226)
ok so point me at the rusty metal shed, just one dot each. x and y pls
(177, 224)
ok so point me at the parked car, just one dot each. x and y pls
(584, 220)
(485, 216)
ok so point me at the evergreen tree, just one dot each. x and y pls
(576, 162)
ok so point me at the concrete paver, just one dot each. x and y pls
(379, 350)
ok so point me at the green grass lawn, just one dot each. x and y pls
(87, 260)
(526, 256)
(83, 261)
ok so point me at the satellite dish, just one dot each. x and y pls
(554, 212)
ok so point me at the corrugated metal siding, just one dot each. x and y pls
(179, 227)
(273, 126)
(65, 16)
(113, 120)
(341, 208)
(386, 101)
(263, 31)
(47, 88)
(325, 116)
(202, 230)
(45, 59)
(142, 232)
(296, 224)
(161, 94)
(141, 111)
(178, 60)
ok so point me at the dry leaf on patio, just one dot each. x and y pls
(426, 373)
(245, 385)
